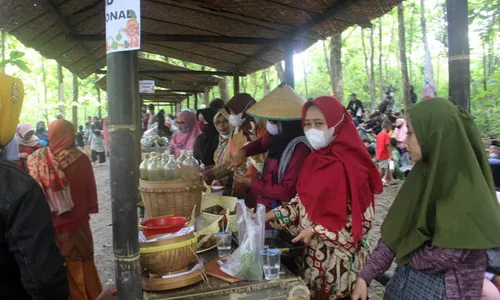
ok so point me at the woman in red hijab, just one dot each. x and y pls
(67, 178)
(334, 206)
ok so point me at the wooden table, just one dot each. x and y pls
(288, 286)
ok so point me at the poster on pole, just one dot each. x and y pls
(123, 30)
(146, 86)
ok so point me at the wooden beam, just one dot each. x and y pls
(196, 101)
(66, 25)
(206, 96)
(236, 84)
(180, 72)
(188, 38)
(289, 76)
(339, 7)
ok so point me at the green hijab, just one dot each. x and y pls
(448, 199)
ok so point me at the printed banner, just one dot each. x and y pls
(146, 86)
(123, 30)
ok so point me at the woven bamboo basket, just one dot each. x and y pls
(162, 198)
(170, 255)
(228, 203)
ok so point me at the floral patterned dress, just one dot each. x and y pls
(330, 262)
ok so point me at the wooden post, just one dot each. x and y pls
(60, 80)
(458, 52)
(195, 100)
(236, 84)
(123, 112)
(206, 96)
(188, 102)
(74, 106)
(289, 78)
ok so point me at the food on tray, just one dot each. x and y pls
(218, 210)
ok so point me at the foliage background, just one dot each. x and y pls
(311, 68)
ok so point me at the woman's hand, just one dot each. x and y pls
(242, 179)
(305, 235)
(108, 294)
(360, 291)
(23, 155)
(270, 216)
(239, 159)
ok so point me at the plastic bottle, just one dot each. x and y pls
(181, 158)
(171, 170)
(144, 166)
(190, 167)
(160, 167)
(153, 168)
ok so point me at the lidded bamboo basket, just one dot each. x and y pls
(162, 198)
(170, 255)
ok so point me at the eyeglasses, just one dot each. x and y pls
(221, 123)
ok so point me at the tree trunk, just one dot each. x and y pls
(244, 84)
(367, 69)
(458, 52)
(429, 86)
(402, 56)
(372, 67)
(410, 65)
(254, 79)
(2, 69)
(380, 73)
(386, 59)
(75, 101)
(328, 65)
(98, 90)
(280, 71)
(223, 89)
(60, 80)
(265, 82)
(305, 77)
(336, 67)
(44, 79)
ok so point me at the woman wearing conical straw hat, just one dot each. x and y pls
(285, 144)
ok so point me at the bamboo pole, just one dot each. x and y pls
(123, 112)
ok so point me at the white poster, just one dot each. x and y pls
(146, 86)
(123, 30)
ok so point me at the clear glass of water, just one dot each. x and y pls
(272, 262)
(223, 243)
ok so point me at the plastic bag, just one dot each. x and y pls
(246, 261)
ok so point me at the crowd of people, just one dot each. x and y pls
(315, 165)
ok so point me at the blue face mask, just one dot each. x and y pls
(493, 155)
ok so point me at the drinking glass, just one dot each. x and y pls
(272, 262)
(223, 243)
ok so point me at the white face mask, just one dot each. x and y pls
(224, 136)
(320, 139)
(272, 128)
(493, 155)
(236, 120)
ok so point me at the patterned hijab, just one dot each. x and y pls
(47, 164)
(221, 154)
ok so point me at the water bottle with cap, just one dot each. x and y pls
(181, 158)
(153, 168)
(190, 167)
(171, 170)
(143, 168)
(160, 167)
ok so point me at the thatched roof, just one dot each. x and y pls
(45, 25)
(164, 98)
(188, 83)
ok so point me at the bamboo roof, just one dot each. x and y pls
(188, 83)
(57, 28)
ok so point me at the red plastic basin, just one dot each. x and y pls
(163, 225)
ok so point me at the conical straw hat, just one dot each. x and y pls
(281, 104)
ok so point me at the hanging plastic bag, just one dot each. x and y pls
(246, 261)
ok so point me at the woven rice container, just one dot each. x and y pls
(170, 255)
(163, 198)
(228, 203)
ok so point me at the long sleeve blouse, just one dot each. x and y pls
(464, 269)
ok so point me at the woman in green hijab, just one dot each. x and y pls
(445, 216)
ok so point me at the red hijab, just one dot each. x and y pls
(61, 136)
(342, 172)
